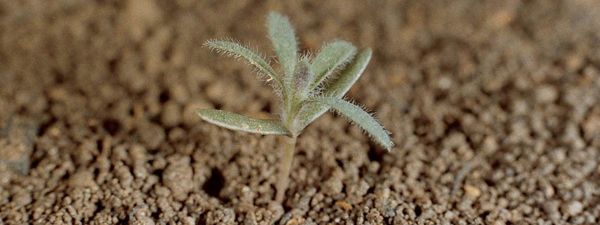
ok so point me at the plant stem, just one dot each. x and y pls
(284, 170)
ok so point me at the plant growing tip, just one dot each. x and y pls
(304, 94)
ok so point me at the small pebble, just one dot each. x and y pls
(546, 94)
(551, 209)
(472, 191)
(344, 205)
(573, 208)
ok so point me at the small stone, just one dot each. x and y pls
(295, 221)
(449, 215)
(221, 216)
(137, 153)
(363, 188)
(178, 177)
(389, 212)
(82, 179)
(573, 208)
(501, 18)
(17, 136)
(490, 144)
(162, 191)
(559, 155)
(343, 205)
(151, 134)
(22, 198)
(171, 114)
(176, 134)
(472, 191)
(546, 94)
(591, 126)
(551, 209)
(548, 189)
(590, 219)
(124, 175)
(577, 220)
(333, 185)
(216, 91)
(140, 16)
(179, 93)
(250, 219)
(188, 220)
(499, 222)
(444, 83)
(574, 62)
(427, 214)
(145, 220)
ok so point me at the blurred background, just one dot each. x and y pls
(493, 106)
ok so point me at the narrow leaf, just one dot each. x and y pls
(237, 50)
(309, 112)
(342, 83)
(239, 122)
(283, 38)
(303, 74)
(360, 117)
(337, 88)
(332, 56)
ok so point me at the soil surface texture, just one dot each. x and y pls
(494, 107)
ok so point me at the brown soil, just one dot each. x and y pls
(494, 107)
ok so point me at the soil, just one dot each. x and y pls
(493, 106)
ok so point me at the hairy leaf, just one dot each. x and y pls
(332, 56)
(360, 117)
(342, 83)
(337, 88)
(309, 112)
(239, 122)
(237, 50)
(283, 38)
(303, 74)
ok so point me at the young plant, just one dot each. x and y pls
(302, 88)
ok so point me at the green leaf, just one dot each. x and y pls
(237, 50)
(332, 56)
(283, 38)
(303, 74)
(337, 88)
(360, 117)
(309, 112)
(239, 122)
(342, 83)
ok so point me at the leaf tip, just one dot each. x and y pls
(275, 16)
(389, 146)
(201, 112)
(210, 43)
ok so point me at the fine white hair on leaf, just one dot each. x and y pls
(335, 88)
(357, 115)
(329, 79)
(349, 75)
(283, 38)
(260, 66)
(307, 86)
(240, 122)
(332, 57)
(302, 76)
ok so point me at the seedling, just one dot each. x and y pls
(302, 88)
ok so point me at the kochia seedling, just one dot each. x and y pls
(302, 88)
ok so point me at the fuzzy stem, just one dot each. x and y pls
(286, 164)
